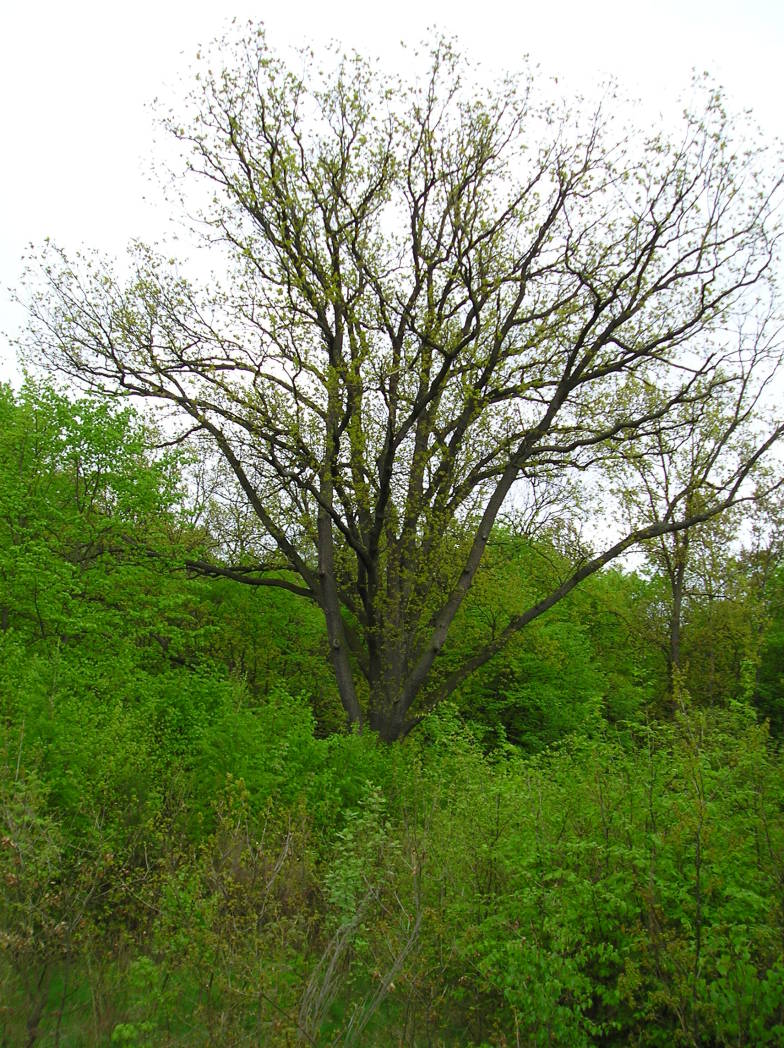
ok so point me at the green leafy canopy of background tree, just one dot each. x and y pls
(439, 295)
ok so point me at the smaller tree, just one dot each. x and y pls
(675, 472)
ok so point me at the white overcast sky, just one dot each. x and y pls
(75, 79)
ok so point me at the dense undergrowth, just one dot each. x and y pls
(265, 886)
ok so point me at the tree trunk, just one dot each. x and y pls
(389, 722)
(677, 579)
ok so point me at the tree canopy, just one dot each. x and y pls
(442, 301)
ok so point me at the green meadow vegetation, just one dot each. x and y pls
(392, 623)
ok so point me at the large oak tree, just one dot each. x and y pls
(439, 294)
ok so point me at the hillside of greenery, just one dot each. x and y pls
(195, 851)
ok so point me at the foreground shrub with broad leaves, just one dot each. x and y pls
(612, 890)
